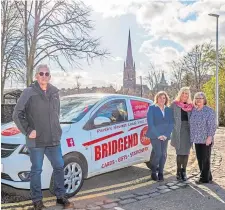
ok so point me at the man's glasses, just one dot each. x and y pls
(47, 74)
(199, 98)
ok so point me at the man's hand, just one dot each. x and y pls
(33, 134)
(208, 141)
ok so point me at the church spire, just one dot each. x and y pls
(163, 80)
(129, 60)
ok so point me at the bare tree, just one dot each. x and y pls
(12, 57)
(177, 74)
(56, 31)
(153, 78)
(198, 64)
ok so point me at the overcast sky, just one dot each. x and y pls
(161, 31)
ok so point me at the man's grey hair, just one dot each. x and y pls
(41, 66)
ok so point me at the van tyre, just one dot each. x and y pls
(149, 163)
(74, 171)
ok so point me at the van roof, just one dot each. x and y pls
(107, 96)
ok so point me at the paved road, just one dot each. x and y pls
(185, 199)
(131, 188)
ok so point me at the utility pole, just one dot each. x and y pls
(141, 84)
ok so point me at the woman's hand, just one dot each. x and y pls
(208, 141)
(162, 138)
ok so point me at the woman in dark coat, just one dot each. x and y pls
(160, 126)
(182, 107)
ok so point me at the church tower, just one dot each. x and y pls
(162, 85)
(129, 73)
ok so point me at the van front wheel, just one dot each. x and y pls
(73, 175)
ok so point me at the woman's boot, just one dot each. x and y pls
(183, 174)
(154, 176)
(179, 162)
(179, 176)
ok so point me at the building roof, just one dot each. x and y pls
(129, 59)
(163, 80)
(13, 94)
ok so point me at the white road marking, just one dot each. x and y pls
(118, 208)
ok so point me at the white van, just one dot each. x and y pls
(101, 133)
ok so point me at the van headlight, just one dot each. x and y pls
(24, 150)
(24, 176)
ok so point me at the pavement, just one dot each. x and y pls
(132, 188)
(189, 198)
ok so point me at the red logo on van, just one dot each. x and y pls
(144, 140)
(70, 142)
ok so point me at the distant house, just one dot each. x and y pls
(11, 96)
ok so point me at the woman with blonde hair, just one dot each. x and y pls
(160, 126)
(181, 108)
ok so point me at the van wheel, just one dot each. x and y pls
(73, 175)
(149, 163)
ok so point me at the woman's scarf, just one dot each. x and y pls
(185, 107)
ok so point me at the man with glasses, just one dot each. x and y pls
(36, 114)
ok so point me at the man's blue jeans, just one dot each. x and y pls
(54, 154)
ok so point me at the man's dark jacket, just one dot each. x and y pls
(37, 110)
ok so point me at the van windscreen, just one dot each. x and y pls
(73, 109)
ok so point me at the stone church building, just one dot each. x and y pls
(130, 85)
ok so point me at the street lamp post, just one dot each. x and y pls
(141, 84)
(217, 69)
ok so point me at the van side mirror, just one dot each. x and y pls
(101, 121)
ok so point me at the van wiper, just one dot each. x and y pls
(67, 122)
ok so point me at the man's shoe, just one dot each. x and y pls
(64, 202)
(183, 174)
(154, 176)
(160, 177)
(38, 205)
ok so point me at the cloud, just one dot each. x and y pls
(160, 57)
(183, 23)
(114, 8)
(95, 78)
(117, 59)
(164, 19)
(159, 54)
(68, 79)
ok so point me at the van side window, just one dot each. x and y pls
(139, 108)
(115, 111)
